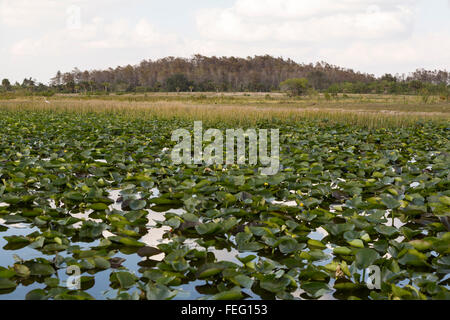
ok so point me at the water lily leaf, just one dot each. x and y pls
(37, 294)
(7, 284)
(246, 259)
(244, 281)
(271, 284)
(356, 243)
(316, 244)
(316, 289)
(390, 202)
(250, 246)
(337, 229)
(127, 241)
(386, 230)
(234, 294)
(376, 216)
(41, 269)
(421, 245)
(209, 271)
(51, 282)
(6, 273)
(208, 228)
(73, 195)
(159, 292)
(445, 200)
(289, 245)
(413, 258)
(313, 273)
(364, 258)
(126, 279)
(174, 222)
(17, 239)
(99, 206)
(138, 204)
(351, 235)
(345, 285)
(22, 270)
(77, 295)
(342, 251)
(148, 252)
(101, 263)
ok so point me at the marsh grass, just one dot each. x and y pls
(246, 112)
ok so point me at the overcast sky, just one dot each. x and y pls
(39, 37)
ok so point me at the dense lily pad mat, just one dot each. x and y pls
(98, 191)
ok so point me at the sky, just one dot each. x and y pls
(40, 37)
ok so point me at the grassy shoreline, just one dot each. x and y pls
(245, 110)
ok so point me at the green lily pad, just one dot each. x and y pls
(138, 204)
(365, 258)
(126, 279)
(41, 269)
(316, 289)
(386, 230)
(7, 284)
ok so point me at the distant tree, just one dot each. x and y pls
(140, 89)
(6, 84)
(389, 78)
(295, 86)
(416, 85)
(57, 79)
(28, 83)
(157, 87)
(347, 87)
(91, 85)
(178, 82)
(318, 79)
(106, 85)
(258, 73)
(333, 90)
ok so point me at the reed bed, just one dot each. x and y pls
(242, 114)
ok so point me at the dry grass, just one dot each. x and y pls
(368, 115)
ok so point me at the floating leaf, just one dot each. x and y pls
(316, 289)
(356, 243)
(365, 258)
(386, 230)
(274, 285)
(234, 294)
(126, 279)
(41, 269)
(7, 284)
(138, 204)
(316, 244)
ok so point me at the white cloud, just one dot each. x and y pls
(375, 36)
(429, 50)
(124, 34)
(286, 9)
(97, 34)
(42, 13)
(306, 21)
(25, 13)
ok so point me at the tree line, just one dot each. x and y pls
(231, 74)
